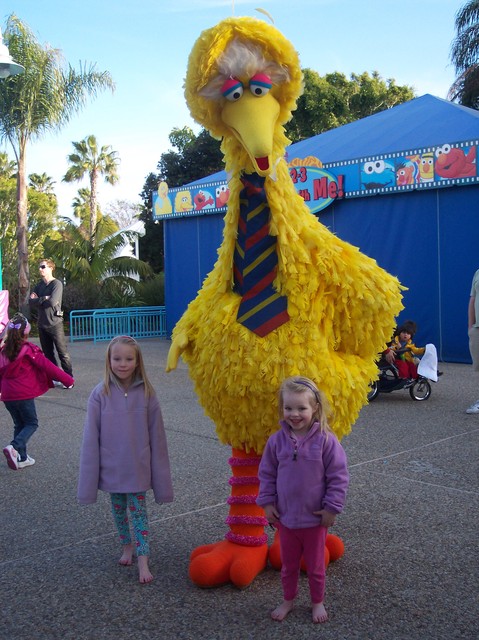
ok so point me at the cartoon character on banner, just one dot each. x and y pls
(377, 174)
(163, 202)
(452, 162)
(320, 308)
(183, 201)
(222, 195)
(406, 173)
(425, 166)
(203, 200)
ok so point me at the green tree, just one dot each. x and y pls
(42, 221)
(465, 56)
(40, 100)
(195, 157)
(151, 244)
(93, 161)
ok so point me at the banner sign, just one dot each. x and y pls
(444, 165)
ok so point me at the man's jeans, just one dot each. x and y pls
(54, 337)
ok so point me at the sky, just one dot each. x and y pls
(145, 47)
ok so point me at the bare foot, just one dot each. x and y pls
(282, 611)
(319, 612)
(145, 575)
(127, 555)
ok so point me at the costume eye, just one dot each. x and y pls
(260, 84)
(232, 89)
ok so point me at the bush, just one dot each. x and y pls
(76, 296)
(151, 292)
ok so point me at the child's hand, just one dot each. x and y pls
(327, 518)
(272, 516)
(390, 356)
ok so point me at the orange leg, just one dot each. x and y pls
(243, 554)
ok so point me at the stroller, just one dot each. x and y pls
(419, 389)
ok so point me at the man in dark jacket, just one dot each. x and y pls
(46, 297)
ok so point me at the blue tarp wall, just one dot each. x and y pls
(428, 238)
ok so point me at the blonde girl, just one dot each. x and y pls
(303, 482)
(124, 450)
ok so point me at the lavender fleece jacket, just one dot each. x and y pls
(124, 447)
(317, 479)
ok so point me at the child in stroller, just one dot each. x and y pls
(402, 352)
(398, 366)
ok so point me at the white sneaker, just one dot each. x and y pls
(474, 408)
(26, 463)
(11, 455)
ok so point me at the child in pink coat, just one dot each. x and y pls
(25, 374)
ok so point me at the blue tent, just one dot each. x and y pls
(424, 228)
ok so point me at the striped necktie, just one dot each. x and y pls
(262, 308)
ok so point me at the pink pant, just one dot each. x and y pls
(308, 543)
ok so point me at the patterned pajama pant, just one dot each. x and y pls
(135, 504)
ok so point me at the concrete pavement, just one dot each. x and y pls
(410, 526)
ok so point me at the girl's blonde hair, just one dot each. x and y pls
(140, 371)
(321, 408)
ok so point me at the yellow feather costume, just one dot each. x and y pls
(341, 304)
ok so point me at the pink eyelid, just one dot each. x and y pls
(262, 79)
(230, 85)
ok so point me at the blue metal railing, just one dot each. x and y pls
(105, 324)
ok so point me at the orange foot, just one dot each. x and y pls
(334, 550)
(222, 562)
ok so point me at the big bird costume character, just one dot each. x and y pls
(285, 297)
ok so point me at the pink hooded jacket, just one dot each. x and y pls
(30, 375)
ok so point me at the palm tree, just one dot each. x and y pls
(42, 99)
(89, 159)
(8, 168)
(42, 183)
(81, 211)
(465, 56)
(96, 265)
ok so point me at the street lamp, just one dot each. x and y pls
(8, 66)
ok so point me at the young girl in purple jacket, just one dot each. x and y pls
(124, 450)
(303, 481)
(25, 374)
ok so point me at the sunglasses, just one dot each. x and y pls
(43, 266)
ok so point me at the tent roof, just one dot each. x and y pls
(422, 122)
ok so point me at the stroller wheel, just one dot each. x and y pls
(420, 390)
(373, 391)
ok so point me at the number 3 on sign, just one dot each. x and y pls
(298, 174)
